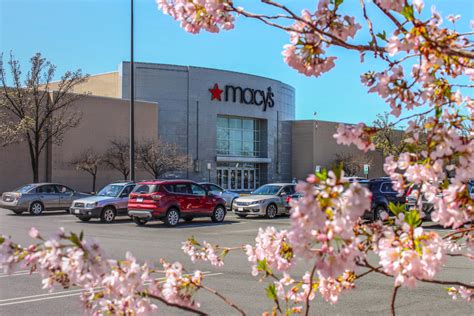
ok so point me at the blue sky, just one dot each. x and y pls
(94, 35)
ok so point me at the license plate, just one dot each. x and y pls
(241, 209)
(8, 199)
(139, 199)
(76, 211)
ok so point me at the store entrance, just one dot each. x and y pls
(244, 178)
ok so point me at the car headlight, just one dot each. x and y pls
(91, 205)
(259, 202)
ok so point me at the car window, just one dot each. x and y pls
(267, 189)
(288, 190)
(128, 189)
(215, 188)
(181, 188)
(46, 189)
(24, 189)
(387, 188)
(144, 188)
(197, 190)
(64, 189)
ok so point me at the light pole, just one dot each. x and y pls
(132, 97)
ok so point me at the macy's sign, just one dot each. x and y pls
(246, 96)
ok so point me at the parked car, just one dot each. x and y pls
(294, 197)
(39, 197)
(411, 201)
(110, 202)
(170, 200)
(228, 196)
(268, 200)
(382, 194)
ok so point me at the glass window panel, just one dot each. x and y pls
(222, 133)
(248, 124)
(235, 135)
(222, 146)
(248, 136)
(222, 122)
(248, 149)
(235, 123)
(235, 148)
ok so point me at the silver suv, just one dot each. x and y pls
(269, 200)
(39, 197)
(111, 201)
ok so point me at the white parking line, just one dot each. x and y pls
(62, 294)
(16, 274)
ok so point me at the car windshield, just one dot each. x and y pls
(112, 190)
(25, 188)
(267, 189)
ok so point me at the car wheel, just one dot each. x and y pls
(36, 208)
(218, 215)
(242, 215)
(140, 221)
(172, 217)
(188, 219)
(84, 218)
(271, 211)
(17, 212)
(378, 212)
(107, 215)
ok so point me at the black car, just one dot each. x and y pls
(382, 194)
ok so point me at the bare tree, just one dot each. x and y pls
(117, 157)
(89, 161)
(351, 164)
(387, 140)
(390, 141)
(158, 157)
(30, 112)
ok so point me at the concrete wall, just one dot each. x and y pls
(103, 119)
(106, 85)
(314, 144)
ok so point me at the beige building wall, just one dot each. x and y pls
(15, 167)
(106, 85)
(103, 119)
(314, 144)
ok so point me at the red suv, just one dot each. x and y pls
(170, 200)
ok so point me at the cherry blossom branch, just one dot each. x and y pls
(368, 265)
(391, 17)
(222, 297)
(394, 296)
(176, 305)
(310, 289)
(459, 231)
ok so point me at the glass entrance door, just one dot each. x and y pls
(237, 179)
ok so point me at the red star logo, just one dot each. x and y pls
(216, 93)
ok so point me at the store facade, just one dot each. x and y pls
(235, 127)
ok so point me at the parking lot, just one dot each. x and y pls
(21, 294)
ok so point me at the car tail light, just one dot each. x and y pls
(132, 196)
(156, 197)
(408, 193)
(288, 200)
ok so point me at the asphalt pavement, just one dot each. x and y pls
(21, 293)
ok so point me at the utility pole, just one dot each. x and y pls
(132, 100)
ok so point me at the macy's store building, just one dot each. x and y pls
(235, 127)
